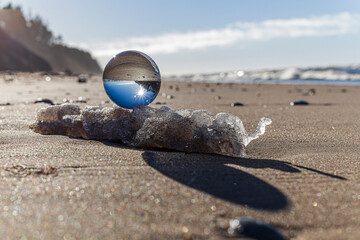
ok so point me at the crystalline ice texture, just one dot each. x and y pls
(183, 130)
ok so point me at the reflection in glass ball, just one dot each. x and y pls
(132, 78)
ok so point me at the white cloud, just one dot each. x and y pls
(326, 25)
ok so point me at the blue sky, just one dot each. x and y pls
(207, 36)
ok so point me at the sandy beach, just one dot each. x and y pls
(302, 176)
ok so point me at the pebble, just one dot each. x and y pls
(310, 92)
(218, 97)
(254, 229)
(169, 97)
(5, 104)
(160, 103)
(301, 102)
(44, 100)
(237, 104)
(81, 100)
(82, 79)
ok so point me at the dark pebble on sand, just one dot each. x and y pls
(343, 90)
(237, 104)
(82, 79)
(218, 97)
(5, 104)
(310, 92)
(301, 102)
(44, 100)
(169, 97)
(160, 103)
(81, 100)
(254, 229)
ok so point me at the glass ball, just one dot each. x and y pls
(132, 78)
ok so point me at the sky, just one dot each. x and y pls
(203, 36)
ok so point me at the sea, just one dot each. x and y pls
(332, 75)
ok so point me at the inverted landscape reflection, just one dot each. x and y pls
(128, 94)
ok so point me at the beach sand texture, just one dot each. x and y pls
(302, 176)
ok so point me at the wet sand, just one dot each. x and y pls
(302, 176)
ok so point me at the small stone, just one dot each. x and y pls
(237, 104)
(5, 104)
(82, 78)
(169, 97)
(310, 92)
(343, 90)
(254, 229)
(160, 103)
(44, 100)
(81, 100)
(218, 97)
(301, 102)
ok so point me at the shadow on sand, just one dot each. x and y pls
(218, 176)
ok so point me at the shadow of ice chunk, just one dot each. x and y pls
(183, 130)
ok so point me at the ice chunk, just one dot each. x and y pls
(259, 131)
(183, 130)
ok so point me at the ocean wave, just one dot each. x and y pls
(316, 75)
